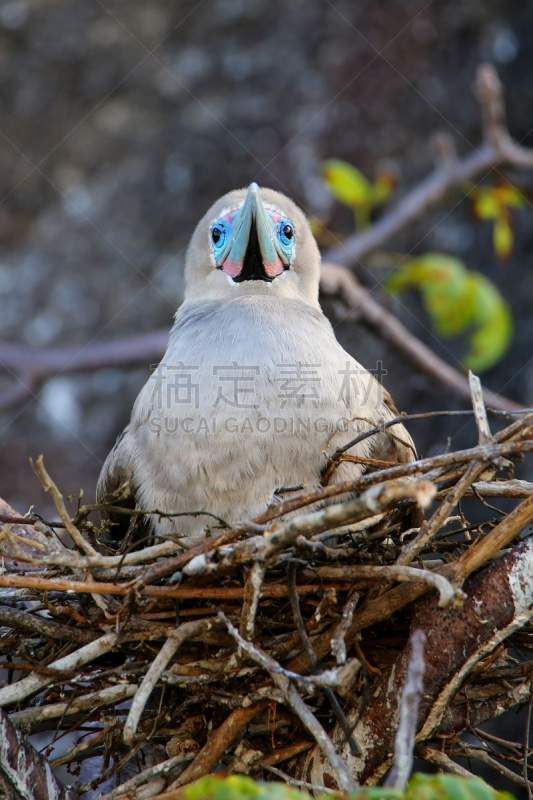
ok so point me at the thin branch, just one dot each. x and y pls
(306, 641)
(338, 645)
(111, 695)
(431, 528)
(498, 149)
(16, 692)
(123, 791)
(218, 742)
(478, 406)
(175, 639)
(252, 593)
(49, 486)
(436, 465)
(97, 587)
(338, 678)
(407, 727)
(339, 281)
(373, 501)
(479, 754)
(442, 761)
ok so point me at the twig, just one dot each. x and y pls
(175, 639)
(405, 735)
(377, 499)
(484, 549)
(252, 593)
(479, 408)
(23, 688)
(449, 596)
(481, 755)
(338, 645)
(306, 641)
(339, 281)
(342, 775)
(49, 486)
(33, 365)
(295, 782)
(442, 761)
(110, 695)
(127, 789)
(512, 488)
(429, 529)
(498, 149)
(341, 677)
(94, 587)
(23, 620)
(218, 742)
(435, 465)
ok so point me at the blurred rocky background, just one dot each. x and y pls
(120, 123)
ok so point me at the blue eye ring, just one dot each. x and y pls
(219, 233)
(286, 233)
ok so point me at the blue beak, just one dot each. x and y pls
(253, 244)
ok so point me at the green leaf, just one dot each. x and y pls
(486, 203)
(510, 196)
(456, 300)
(451, 787)
(502, 236)
(420, 787)
(384, 186)
(240, 787)
(347, 184)
(493, 324)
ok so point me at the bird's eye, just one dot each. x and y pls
(286, 233)
(219, 235)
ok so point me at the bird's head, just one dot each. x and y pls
(253, 241)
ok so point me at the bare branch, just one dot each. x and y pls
(405, 735)
(338, 645)
(111, 695)
(175, 639)
(442, 761)
(338, 280)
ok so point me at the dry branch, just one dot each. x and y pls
(409, 706)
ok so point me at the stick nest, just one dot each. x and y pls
(262, 648)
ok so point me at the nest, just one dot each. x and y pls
(280, 648)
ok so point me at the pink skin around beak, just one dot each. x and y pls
(253, 228)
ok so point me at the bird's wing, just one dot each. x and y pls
(395, 444)
(116, 472)
(117, 468)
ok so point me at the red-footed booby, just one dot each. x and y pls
(254, 391)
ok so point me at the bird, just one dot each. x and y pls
(254, 391)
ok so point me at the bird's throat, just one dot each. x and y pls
(252, 266)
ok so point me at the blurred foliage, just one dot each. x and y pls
(495, 203)
(458, 300)
(420, 787)
(350, 187)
